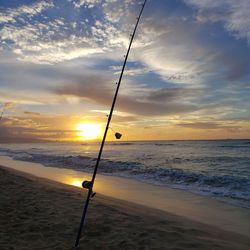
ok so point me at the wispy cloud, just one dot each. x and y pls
(85, 3)
(208, 125)
(37, 37)
(187, 68)
(141, 102)
(234, 14)
(23, 12)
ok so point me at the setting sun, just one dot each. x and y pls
(88, 131)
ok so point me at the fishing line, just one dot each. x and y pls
(89, 184)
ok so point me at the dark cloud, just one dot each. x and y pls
(207, 126)
(12, 135)
(35, 128)
(174, 94)
(22, 134)
(31, 113)
(148, 108)
(99, 90)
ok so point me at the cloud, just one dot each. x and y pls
(162, 44)
(34, 35)
(98, 89)
(4, 107)
(29, 113)
(131, 71)
(234, 63)
(182, 66)
(8, 105)
(86, 3)
(32, 44)
(183, 51)
(46, 39)
(221, 126)
(203, 125)
(24, 11)
(33, 126)
(24, 135)
(174, 94)
(234, 14)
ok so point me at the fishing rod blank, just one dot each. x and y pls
(89, 184)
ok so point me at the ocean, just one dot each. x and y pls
(219, 169)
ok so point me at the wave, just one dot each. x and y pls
(235, 146)
(164, 144)
(224, 186)
(121, 144)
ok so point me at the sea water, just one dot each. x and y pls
(220, 169)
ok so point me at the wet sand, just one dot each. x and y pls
(37, 213)
(179, 202)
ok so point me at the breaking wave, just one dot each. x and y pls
(222, 186)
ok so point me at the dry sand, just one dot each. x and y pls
(36, 213)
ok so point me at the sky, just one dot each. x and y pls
(187, 77)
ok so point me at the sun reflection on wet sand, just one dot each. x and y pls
(76, 183)
(171, 200)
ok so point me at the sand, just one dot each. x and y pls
(37, 213)
(179, 202)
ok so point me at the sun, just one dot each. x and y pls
(88, 131)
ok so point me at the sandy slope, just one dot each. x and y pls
(37, 213)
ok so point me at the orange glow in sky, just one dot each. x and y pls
(175, 87)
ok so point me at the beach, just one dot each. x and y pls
(138, 111)
(38, 213)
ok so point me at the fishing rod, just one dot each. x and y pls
(90, 184)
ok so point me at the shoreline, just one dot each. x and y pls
(45, 215)
(22, 141)
(178, 202)
(203, 175)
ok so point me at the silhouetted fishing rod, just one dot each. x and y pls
(89, 184)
